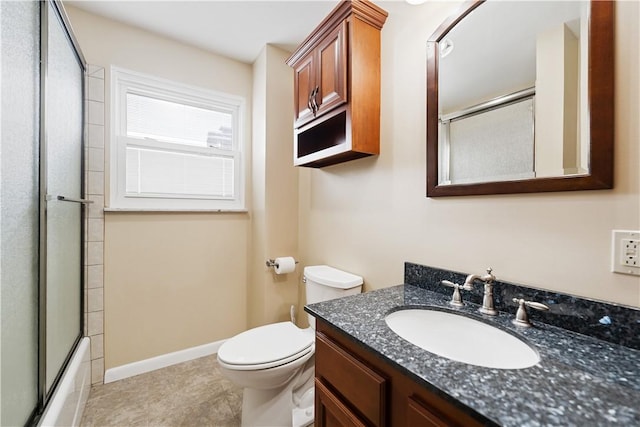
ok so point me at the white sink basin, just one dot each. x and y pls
(462, 339)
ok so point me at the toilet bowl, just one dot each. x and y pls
(271, 363)
(266, 357)
(274, 363)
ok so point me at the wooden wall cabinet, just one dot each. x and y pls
(356, 388)
(337, 87)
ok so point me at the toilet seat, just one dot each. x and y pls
(266, 347)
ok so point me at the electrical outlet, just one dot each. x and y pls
(625, 252)
(630, 252)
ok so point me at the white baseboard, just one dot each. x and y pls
(158, 362)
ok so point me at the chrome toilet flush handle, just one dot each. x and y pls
(522, 317)
(456, 298)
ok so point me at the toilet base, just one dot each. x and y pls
(266, 408)
(261, 408)
(303, 415)
(275, 407)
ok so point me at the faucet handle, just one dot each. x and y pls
(537, 305)
(522, 317)
(456, 298)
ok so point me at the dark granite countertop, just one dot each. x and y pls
(580, 380)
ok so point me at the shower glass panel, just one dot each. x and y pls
(19, 128)
(63, 171)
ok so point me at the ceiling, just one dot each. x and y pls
(235, 29)
(494, 49)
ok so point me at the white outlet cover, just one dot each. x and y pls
(619, 251)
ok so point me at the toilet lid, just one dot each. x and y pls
(265, 344)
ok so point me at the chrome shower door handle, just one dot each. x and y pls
(69, 199)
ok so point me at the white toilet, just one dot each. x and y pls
(274, 363)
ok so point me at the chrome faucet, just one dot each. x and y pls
(487, 301)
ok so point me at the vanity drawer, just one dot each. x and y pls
(418, 414)
(357, 385)
(331, 411)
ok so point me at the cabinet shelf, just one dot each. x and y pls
(326, 141)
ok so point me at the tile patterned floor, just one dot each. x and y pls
(193, 393)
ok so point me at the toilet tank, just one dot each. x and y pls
(323, 283)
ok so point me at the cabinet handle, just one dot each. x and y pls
(311, 104)
(314, 102)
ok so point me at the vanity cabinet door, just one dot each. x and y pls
(331, 411)
(418, 415)
(357, 385)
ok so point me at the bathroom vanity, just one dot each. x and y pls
(368, 375)
(356, 388)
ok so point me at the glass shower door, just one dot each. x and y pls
(19, 193)
(63, 217)
(41, 125)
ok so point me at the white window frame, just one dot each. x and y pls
(125, 81)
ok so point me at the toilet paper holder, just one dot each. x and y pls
(272, 263)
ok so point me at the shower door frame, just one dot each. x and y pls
(59, 13)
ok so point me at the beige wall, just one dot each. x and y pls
(369, 216)
(274, 229)
(172, 281)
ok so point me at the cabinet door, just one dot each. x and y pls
(357, 383)
(418, 415)
(331, 412)
(304, 84)
(331, 79)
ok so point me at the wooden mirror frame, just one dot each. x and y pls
(600, 107)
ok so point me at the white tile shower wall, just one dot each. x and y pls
(94, 219)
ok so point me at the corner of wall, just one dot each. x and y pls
(274, 196)
(94, 218)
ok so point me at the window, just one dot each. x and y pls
(174, 147)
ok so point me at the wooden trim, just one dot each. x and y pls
(602, 92)
(448, 24)
(363, 9)
(364, 85)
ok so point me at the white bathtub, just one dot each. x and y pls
(67, 404)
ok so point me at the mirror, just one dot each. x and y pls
(520, 98)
